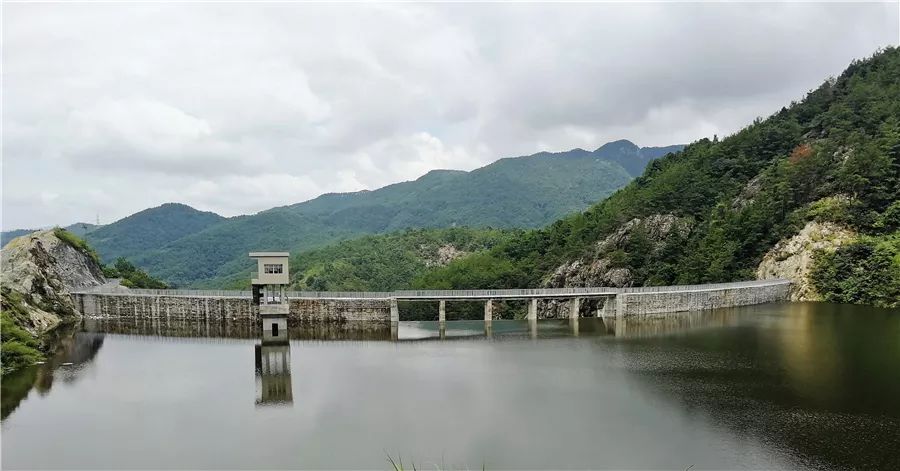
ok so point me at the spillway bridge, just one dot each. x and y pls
(109, 301)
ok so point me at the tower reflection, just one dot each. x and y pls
(273, 368)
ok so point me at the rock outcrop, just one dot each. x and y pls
(442, 256)
(793, 258)
(38, 272)
(603, 268)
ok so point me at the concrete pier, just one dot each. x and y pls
(532, 309)
(489, 310)
(442, 311)
(395, 310)
(574, 308)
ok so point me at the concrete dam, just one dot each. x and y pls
(109, 302)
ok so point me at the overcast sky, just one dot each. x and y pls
(113, 108)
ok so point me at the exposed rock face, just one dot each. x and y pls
(444, 255)
(42, 269)
(793, 258)
(601, 269)
(748, 194)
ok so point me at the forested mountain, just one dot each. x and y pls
(529, 191)
(818, 178)
(190, 248)
(149, 229)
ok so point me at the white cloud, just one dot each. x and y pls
(240, 107)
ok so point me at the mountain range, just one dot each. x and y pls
(187, 247)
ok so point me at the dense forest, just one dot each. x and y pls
(388, 262)
(833, 157)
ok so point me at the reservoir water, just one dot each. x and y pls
(799, 385)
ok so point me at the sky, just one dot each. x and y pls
(111, 108)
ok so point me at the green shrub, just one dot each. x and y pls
(835, 209)
(132, 276)
(889, 220)
(16, 355)
(864, 272)
(18, 347)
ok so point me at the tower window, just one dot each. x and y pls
(273, 268)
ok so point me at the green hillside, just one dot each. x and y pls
(711, 212)
(524, 192)
(149, 229)
(388, 262)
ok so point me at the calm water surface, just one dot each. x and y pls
(775, 386)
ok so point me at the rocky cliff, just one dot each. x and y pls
(793, 258)
(37, 273)
(607, 266)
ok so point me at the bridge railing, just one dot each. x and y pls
(341, 294)
(438, 294)
(202, 293)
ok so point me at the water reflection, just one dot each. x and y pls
(422, 330)
(73, 354)
(273, 368)
(801, 376)
(778, 386)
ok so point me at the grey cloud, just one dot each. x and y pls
(115, 107)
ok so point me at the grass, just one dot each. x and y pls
(77, 243)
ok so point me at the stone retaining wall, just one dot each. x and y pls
(340, 310)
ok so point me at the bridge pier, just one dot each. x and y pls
(442, 311)
(532, 309)
(489, 310)
(395, 311)
(620, 305)
(574, 307)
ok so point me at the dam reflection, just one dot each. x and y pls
(273, 368)
(591, 327)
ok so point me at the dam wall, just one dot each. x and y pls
(139, 306)
(661, 302)
(107, 303)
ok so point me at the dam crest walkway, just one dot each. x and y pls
(109, 300)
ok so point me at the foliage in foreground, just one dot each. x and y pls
(19, 348)
(864, 272)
